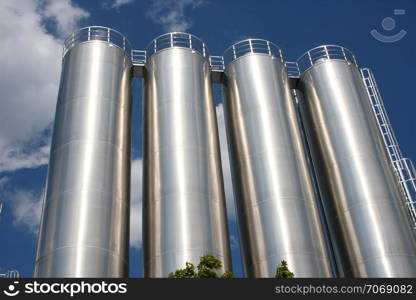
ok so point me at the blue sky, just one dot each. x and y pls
(32, 33)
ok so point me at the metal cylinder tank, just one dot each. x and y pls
(183, 199)
(362, 199)
(85, 219)
(276, 204)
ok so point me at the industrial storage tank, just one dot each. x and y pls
(184, 215)
(277, 209)
(363, 202)
(85, 220)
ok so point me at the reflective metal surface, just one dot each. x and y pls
(277, 209)
(363, 205)
(184, 214)
(85, 220)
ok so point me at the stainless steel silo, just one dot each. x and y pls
(85, 220)
(184, 215)
(276, 204)
(362, 200)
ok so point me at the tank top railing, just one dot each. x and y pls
(251, 46)
(10, 274)
(403, 167)
(177, 39)
(98, 33)
(320, 53)
(218, 63)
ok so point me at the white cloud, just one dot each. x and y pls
(234, 242)
(225, 159)
(171, 14)
(136, 203)
(30, 60)
(28, 154)
(119, 3)
(3, 181)
(109, 4)
(26, 207)
(65, 14)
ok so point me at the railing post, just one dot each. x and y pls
(108, 35)
(310, 58)
(268, 48)
(234, 54)
(355, 61)
(326, 52)
(171, 39)
(343, 53)
(251, 45)
(89, 33)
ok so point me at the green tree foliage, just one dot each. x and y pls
(227, 274)
(283, 271)
(206, 269)
(188, 272)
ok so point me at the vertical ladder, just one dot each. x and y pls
(404, 169)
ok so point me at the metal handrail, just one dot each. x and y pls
(317, 54)
(292, 69)
(403, 167)
(406, 173)
(379, 110)
(10, 274)
(247, 46)
(99, 33)
(177, 39)
(138, 57)
(217, 63)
